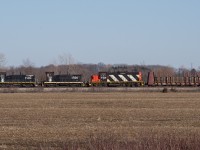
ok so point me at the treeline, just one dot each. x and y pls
(67, 65)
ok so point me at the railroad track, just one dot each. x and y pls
(98, 89)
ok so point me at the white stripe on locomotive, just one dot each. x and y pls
(131, 77)
(138, 76)
(114, 78)
(123, 78)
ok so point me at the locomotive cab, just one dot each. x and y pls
(2, 76)
(49, 76)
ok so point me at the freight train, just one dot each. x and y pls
(107, 79)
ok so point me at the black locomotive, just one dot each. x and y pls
(62, 80)
(17, 80)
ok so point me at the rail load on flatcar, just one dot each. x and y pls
(185, 80)
(62, 80)
(17, 80)
(126, 79)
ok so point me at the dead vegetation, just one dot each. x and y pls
(99, 121)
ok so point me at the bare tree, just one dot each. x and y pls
(164, 71)
(198, 68)
(182, 71)
(27, 66)
(67, 61)
(28, 63)
(2, 60)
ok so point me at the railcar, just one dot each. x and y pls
(185, 80)
(126, 79)
(62, 80)
(17, 80)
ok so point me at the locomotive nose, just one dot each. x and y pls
(140, 76)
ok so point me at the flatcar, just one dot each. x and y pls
(19, 80)
(184, 80)
(127, 79)
(62, 80)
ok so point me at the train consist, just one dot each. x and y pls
(107, 79)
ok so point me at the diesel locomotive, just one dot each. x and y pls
(17, 80)
(127, 79)
(62, 80)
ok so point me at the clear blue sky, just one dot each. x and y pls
(110, 31)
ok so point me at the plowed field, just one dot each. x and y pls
(99, 120)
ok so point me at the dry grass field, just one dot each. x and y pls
(100, 120)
